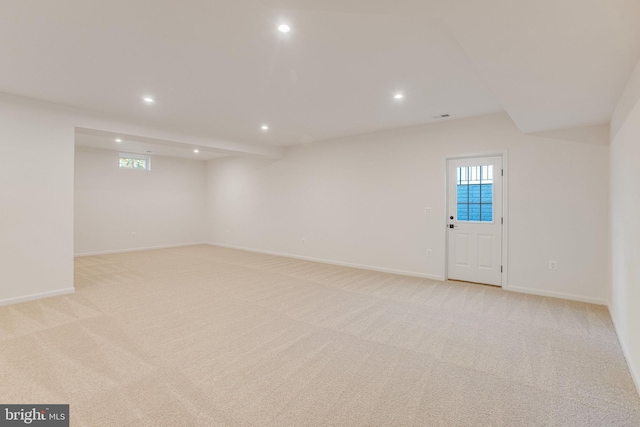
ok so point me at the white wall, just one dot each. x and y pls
(627, 102)
(625, 229)
(36, 202)
(361, 201)
(164, 206)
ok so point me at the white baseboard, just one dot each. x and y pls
(147, 248)
(31, 297)
(332, 262)
(625, 350)
(561, 295)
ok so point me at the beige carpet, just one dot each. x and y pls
(212, 336)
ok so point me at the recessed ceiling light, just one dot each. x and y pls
(118, 140)
(264, 127)
(196, 151)
(284, 28)
(398, 96)
(148, 100)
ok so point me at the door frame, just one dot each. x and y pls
(505, 210)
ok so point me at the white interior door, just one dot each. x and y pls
(474, 224)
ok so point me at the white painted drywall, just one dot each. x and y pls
(625, 228)
(628, 101)
(36, 202)
(163, 207)
(361, 201)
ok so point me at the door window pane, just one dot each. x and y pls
(487, 212)
(463, 212)
(475, 193)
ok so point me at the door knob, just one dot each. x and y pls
(451, 217)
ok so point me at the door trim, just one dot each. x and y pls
(505, 211)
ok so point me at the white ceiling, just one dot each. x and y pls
(146, 146)
(221, 69)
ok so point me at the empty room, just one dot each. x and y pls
(320, 212)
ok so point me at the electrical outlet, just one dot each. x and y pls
(303, 240)
(553, 265)
(428, 252)
(427, 211)
(133, 234)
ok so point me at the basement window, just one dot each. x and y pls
(134, 161)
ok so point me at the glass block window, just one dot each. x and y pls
(134, 161)
(475, 193)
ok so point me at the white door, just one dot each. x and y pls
(474, 214)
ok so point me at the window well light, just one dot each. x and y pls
(264, 127)
(196, 151)
(148, 100)
(284, 28)
(398, 96)
(118, 140)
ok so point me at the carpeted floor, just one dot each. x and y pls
(212, 336)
